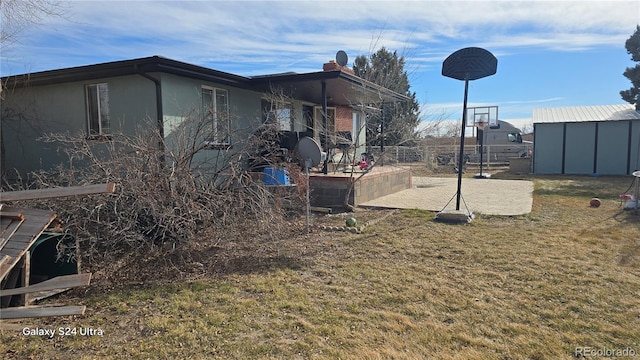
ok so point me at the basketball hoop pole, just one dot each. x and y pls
(462, 133)
(481, 149)
(466, 64)
(480, 125)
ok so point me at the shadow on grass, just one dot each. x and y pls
(251, 264)
(185, 264)
(630, 255)
(628, 216)
(583, 186)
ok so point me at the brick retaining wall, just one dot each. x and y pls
(330, 191)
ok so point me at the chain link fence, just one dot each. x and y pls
(447, 155)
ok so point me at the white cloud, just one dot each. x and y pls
(261, 31)
(259, 37)
(251, 28)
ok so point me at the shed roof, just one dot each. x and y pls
(585, 113)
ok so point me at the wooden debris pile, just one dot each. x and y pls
(20, 228)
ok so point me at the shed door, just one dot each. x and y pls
(580, 148)
(613, 147)
(547, 157)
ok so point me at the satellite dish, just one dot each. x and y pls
(309, 152)
(342, 58)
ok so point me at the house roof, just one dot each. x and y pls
(585, 113)
(342, 88)
(126, 67)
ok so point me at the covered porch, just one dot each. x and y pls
(334, 107)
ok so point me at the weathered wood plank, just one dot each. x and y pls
(11, 215)
(11, 281)
(4, 222)
(26, 274)
(4, 259)
(26, 234)
(41, 295)
(58, 282)
(40, 311)
(6, 266)
(13, 253)
(7, 233)
(26, 212)
(14, 246)
(57, 192)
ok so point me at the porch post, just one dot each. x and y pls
(382, 134)
(325, 125)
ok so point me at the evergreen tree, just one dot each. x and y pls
(386, 69)
(632, 45)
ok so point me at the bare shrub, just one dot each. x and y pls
(173, 192)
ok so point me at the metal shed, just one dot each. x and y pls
(590, 140)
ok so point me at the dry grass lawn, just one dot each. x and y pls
(540, 286)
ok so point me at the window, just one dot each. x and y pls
(278, 112)
(514, 137)
(331, 120)
(359, 132)
(97, 97)
(215, 110)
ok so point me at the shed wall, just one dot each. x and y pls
(613, 146)
(548, 141)
(579, 149)
(603, 147)
(634, 149)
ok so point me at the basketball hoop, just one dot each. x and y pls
(482, 124)
(481, 120)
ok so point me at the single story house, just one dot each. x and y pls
(588, 140)
(120, 96)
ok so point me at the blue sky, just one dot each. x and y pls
(550, 53)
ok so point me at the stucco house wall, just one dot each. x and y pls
(61, 108)
(56, 101)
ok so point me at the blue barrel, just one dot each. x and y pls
(275, 176)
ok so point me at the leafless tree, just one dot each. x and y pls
(18, 15)
(15, 17)
(527, 128)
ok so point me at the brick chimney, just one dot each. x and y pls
(333, 65)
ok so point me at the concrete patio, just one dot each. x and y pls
(484, 196)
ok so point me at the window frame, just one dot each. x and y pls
(318, 117)
(101, 105)
(273, 113)
(213, 141)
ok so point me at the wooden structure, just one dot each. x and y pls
(19, 229)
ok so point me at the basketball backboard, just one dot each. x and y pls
(482, 114)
